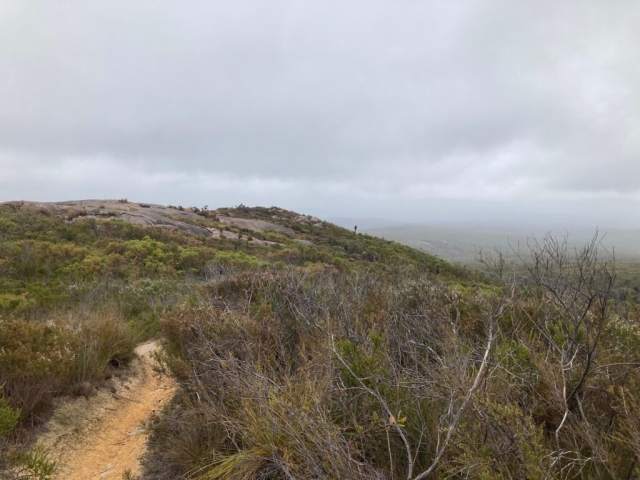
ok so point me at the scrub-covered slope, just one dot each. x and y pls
(304, 350)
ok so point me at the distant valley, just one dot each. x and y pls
(460, 244)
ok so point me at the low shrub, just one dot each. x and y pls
(40, 360)
(105, 342)
(252, 407)
(37, 362)
(8, 416)
(32, 465)
(308, 372)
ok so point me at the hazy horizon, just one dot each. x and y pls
(461, 242)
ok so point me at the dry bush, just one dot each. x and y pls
(40, 360)
(106, 342)
(251, 410)
(317, 374)
(384, 373)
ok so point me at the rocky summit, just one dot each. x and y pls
(152, 215)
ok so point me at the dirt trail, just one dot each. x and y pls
(101, 437)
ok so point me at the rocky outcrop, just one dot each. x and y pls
(139, 214)
(189, 220)
(309, 220)
(254, 225)
(303, 242)
(150, 215)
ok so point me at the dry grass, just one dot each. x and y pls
(106, 342)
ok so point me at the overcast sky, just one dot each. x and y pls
(481, 111)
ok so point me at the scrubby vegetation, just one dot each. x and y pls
(341, 357)
(77, 294)
(400, 374)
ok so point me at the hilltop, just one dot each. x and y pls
(259, 232)
(177, 219)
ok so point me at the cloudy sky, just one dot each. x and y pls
(432, 111)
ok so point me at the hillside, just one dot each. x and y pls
(54, 253)
(300, 349)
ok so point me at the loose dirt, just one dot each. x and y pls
(102, 436)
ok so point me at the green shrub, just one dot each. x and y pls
(6, 227)
(37, 362)
(8, 416)
(17, 304)
(33, 465)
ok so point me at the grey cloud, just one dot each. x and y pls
(363, 104)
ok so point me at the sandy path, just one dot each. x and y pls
(101, 437)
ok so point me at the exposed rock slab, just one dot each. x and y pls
(136, 213)
(303, 241)
(254, 225)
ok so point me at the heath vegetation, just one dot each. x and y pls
(341, 357)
